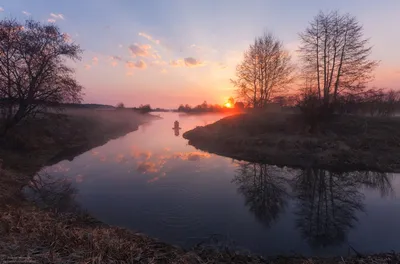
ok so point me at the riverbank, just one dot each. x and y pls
(53, 137)
(28, 233)
(345, 144)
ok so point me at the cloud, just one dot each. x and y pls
(177, 63)
(67, 37)
(26, 13)
(139, 64)
(147, 167)
(95, 60)
(163, 71)
(57, 16)
(140, 50)
(158, 63)
(87, 67)
(188, 62)
(120, 46)
(156, 55)
(1, 9)
(114, 60)
(150, 38)
(51, 20)
(192, 156)
(192, 62)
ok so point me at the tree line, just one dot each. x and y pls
(205, 107)
(331, 77)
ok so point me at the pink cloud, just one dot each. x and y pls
(95, 60)
(177, 63)
(188, 62)
(1, 9)
(192, 62)
(156, 55)
(139, 64)
(87, 67)
(51, 20)
(150, 38)
(57, 16)
(26, 13)
(114, 60)
(140, 50)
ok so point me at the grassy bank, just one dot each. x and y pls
(346, 143)
(43, 237)
(53, 137)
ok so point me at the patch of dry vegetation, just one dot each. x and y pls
(346, 143)
(46, 237)
(49, 238)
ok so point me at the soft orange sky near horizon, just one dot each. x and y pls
(167, 53)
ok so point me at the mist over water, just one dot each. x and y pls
(152, 181)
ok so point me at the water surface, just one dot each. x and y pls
(153, 182)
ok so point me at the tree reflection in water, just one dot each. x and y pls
(264, 189)
(53, 193)
(326, 202)
(326, 205)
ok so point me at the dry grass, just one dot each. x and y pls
(349, 143)
(50, 238)
(45, 237)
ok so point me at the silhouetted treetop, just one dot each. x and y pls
(33, 60)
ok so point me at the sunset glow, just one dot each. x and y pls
(228, 105)
(144, 53)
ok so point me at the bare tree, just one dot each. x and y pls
(120, 105)
(33, 68)
(265, 71)
(335, 57)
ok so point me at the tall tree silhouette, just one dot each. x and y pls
(335, 57)
(265, 71)
(34, 70)
(264, 189)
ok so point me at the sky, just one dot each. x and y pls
(171, 52)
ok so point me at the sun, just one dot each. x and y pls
(228, 105)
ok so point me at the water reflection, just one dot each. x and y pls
(325, 203)
(176, 132)
(53, 193)
(264, 189)
(176, 128)
(159, 185)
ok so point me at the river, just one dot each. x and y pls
(153, 182)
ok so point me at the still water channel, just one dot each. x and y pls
(153, 182)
